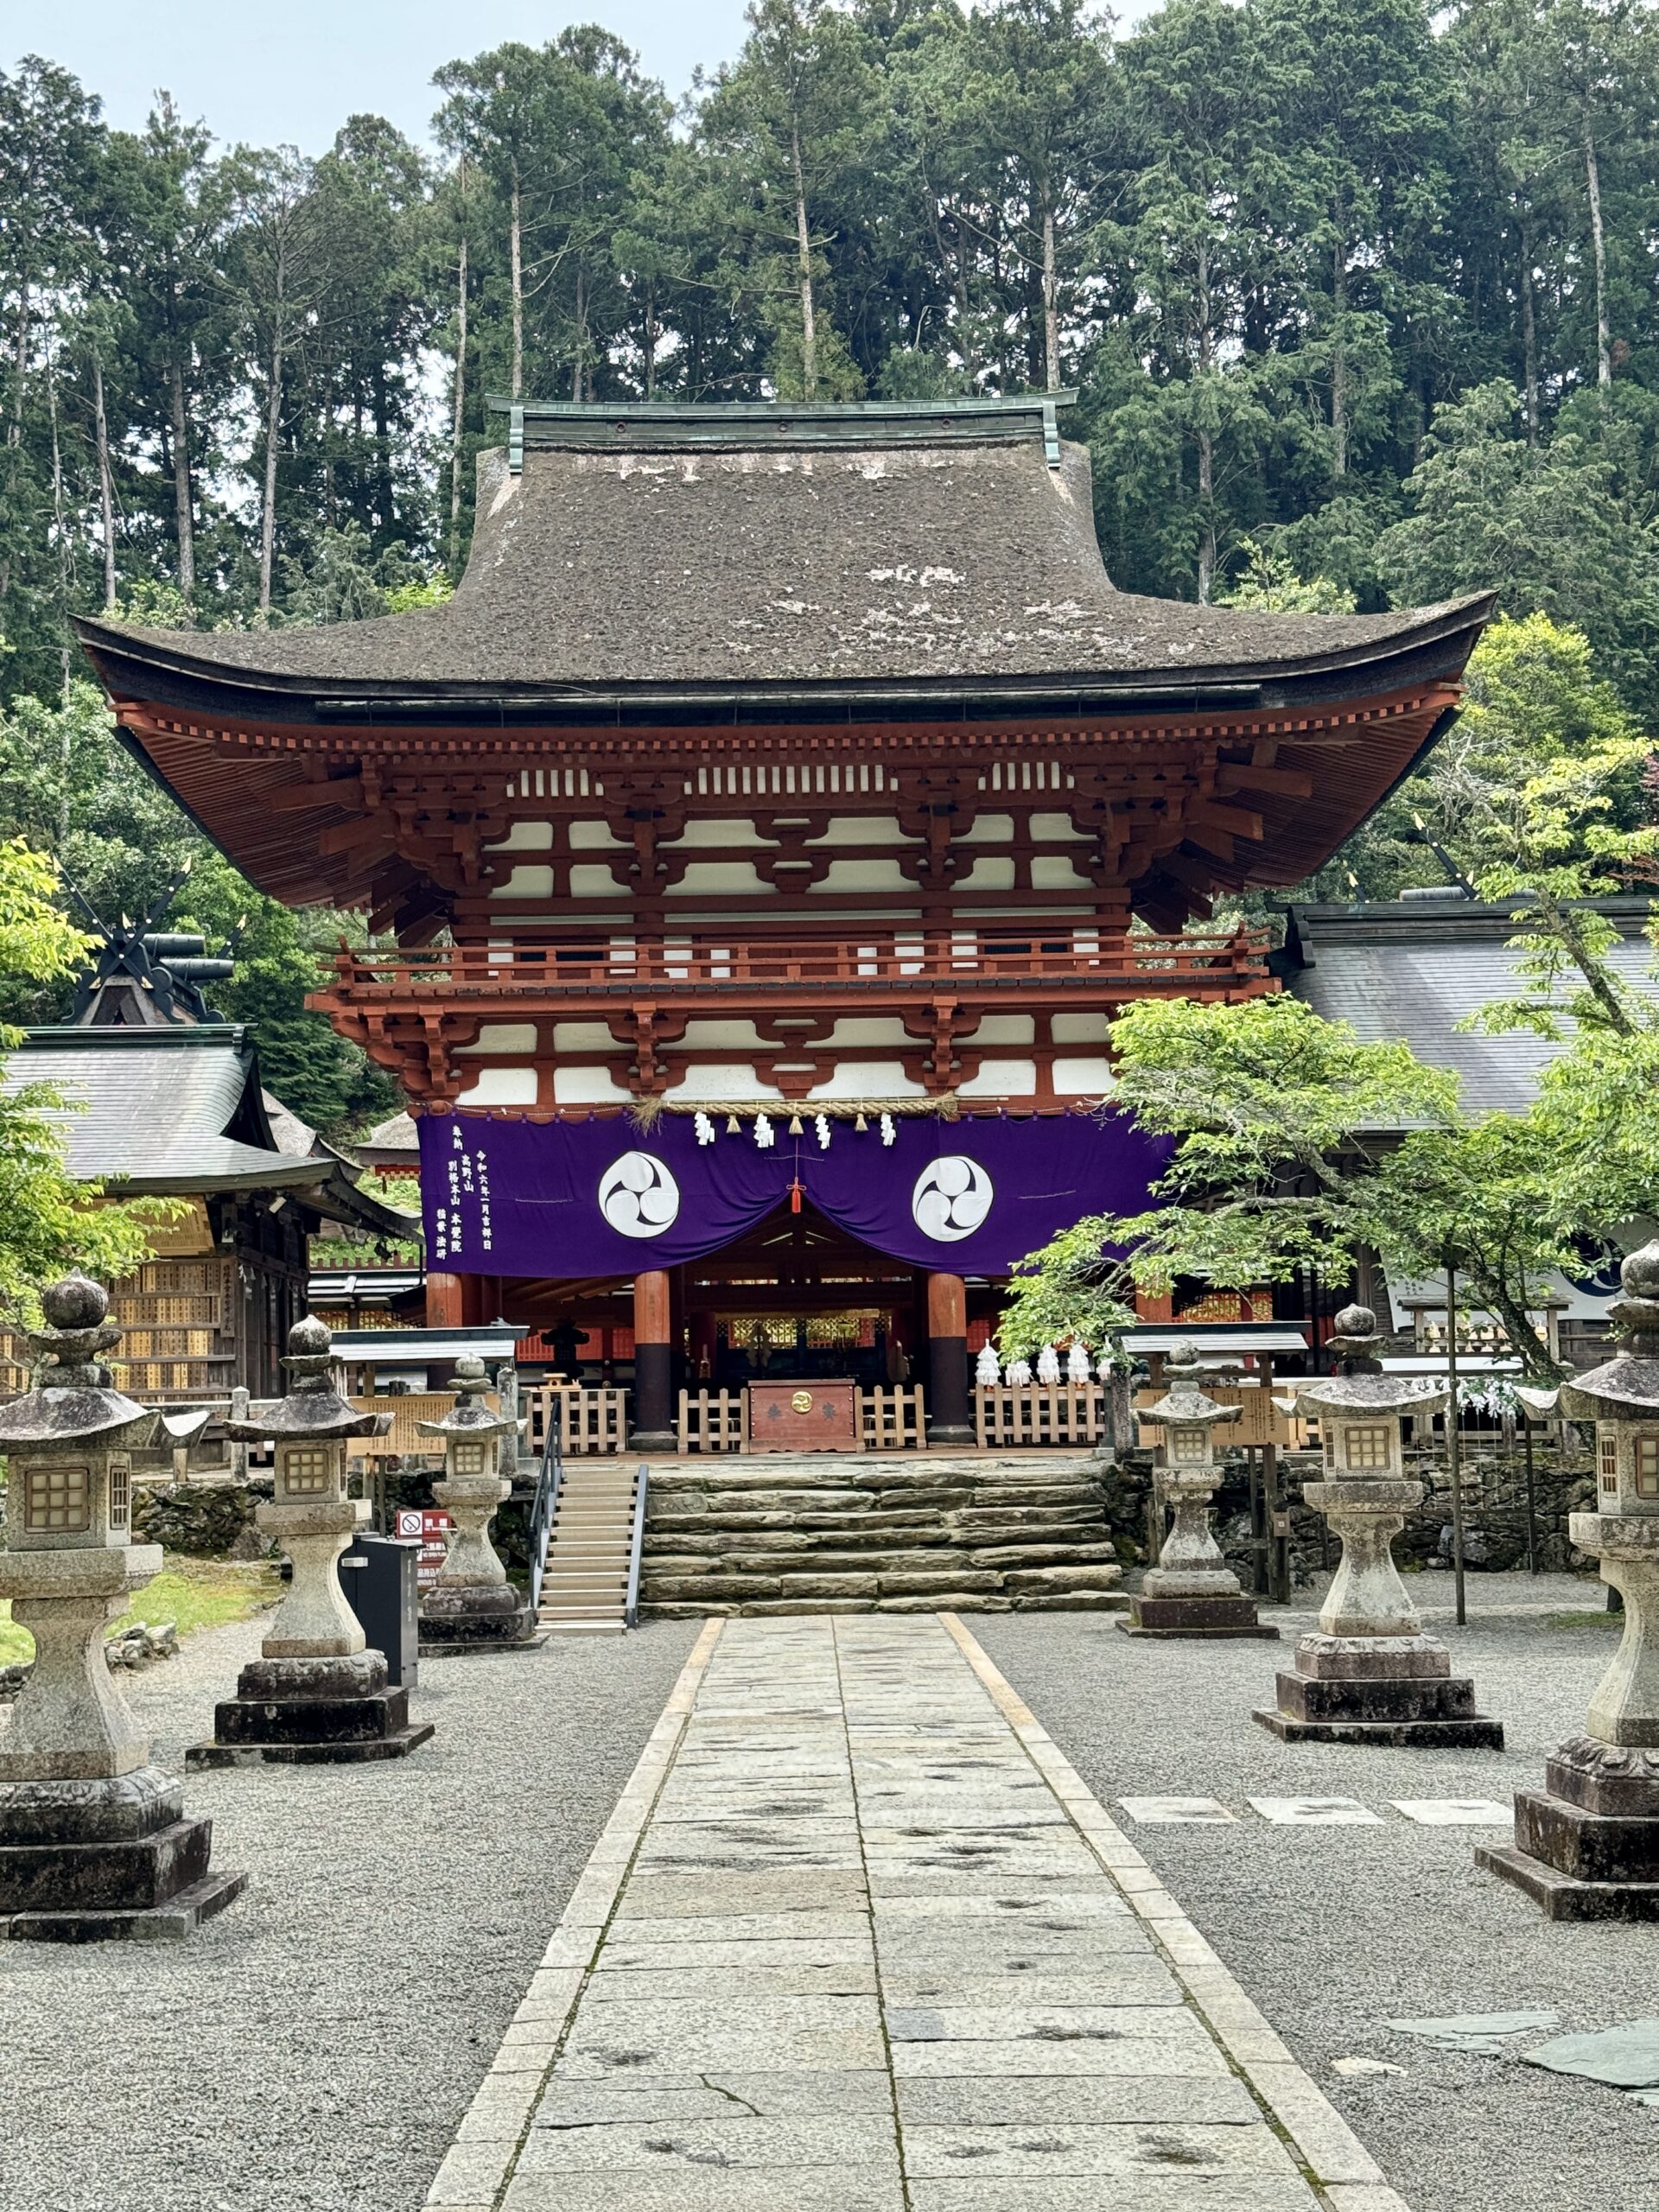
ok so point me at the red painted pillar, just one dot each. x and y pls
(949, 1415)
(653, 1364)
(443, 1301)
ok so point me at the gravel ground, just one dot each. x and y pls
(1335, 1931)
(314, 2048)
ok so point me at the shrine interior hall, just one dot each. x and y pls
(753, 853)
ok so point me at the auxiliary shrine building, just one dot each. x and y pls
(762, 841)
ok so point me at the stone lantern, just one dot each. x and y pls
(1370, 1675)
(315, 1693)
(93, 1840)
(1191, 1590)
(473, 1605)
(1586, 1846)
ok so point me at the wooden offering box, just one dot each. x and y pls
(804, 1417)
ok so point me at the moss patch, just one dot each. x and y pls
(193, 1593)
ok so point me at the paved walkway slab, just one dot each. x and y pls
(858, 1937)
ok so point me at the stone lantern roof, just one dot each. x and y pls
(469, 1419)
(1626, 1387)
(1363, 1388)
(82, 1403)
(313, 1411)
(1185, 1405)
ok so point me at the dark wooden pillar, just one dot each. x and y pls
(443, 1301)
(948, 1414)
(653, 1364)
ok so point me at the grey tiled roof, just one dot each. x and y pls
(1414, 971)
(151, 1107)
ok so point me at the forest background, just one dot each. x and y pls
(1360, 301)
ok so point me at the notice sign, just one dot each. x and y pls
(431, 1531)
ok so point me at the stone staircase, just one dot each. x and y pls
(585, 1586)
(888, 1532)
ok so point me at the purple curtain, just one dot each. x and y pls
(603, 1198)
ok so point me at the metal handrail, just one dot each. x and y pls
(547, 1500)
(641, 1483)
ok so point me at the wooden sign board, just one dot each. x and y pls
(1260, 1420)
(804, 1417)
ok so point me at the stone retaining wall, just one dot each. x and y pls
(873, 1532)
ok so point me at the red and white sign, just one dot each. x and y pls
(431, 1528)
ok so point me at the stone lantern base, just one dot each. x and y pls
(1397, 1691)
(95, 1862)
(1586, 1846)
(1231, 1615)
(311, 1712)
(481, 1618)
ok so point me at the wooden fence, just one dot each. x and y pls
(1041, 1416)
(593, 1420)
(892, 1417)
(710, 1420)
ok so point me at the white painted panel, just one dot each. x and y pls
(594, 837)
(500, 1087)
(864, 875)
(989, 830)
(525, 838)
(1054, 872)
(871, 1029)
(503, 1037)
(525, 883)
(1084, 1078)
(703, 876)
(868, 1079)
(716, 1080)
(990, 872)
(584, 1037)
(1004, 1029)
(586, 1087)
(593, 881)
(1057, 828)
(720, 1037)
(862, 830)
(716, 833)
(1001, 1079)
(1079, 1028)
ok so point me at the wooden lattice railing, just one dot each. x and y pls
(1038, 1415)
(1203, 964)
(595, 1420)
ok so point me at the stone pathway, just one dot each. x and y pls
(857, 1940)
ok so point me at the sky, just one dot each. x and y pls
(290, 72)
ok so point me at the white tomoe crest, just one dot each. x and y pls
(951, 1198)
(638, 1196)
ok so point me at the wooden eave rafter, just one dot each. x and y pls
(392, 818)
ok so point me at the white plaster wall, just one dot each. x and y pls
(864, 875)
(590, 880)
(1001, 1079)
(723, 832)
(586, 1087)
(703, 876)
(583, 1037)
(720, 1037)
(1084, 1077)
(862, 830)
(500, 1087)
(1054, 872)
(1057, 828)
(990, 872)
(503, 1036)
(868, 1079)
(1004, 1029)
(525, 883)
(717, 1080)
(525, 838)
(594, 837)
(1079, 1029)
(989, 830)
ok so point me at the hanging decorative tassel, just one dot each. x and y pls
(794, 1125)
(822, 1126)
(733, 1127)
(861, 1125)
(795, 1196)
(888, 1130)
